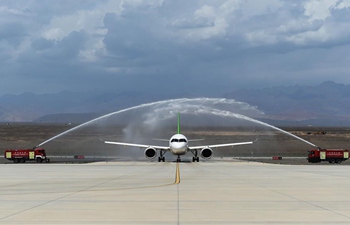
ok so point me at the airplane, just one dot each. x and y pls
(178, 145)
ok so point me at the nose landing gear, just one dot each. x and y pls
(178, 159)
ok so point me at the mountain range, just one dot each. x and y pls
(324, 104)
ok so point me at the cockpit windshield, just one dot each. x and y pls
(178, 140)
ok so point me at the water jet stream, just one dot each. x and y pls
(262, 123)
(169, 108)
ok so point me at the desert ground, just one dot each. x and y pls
(86, 141)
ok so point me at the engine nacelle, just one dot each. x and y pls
(150, 153)
(206, 153)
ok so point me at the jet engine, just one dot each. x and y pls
(206, 153)
(150, 153)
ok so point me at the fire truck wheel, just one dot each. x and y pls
(331, 161)
(22, 160)
(39, 160)
(16, 160)
(338, 161)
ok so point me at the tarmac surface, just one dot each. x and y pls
(209, 192)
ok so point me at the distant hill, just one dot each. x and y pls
(70, 106)
(325, 104)
(77, 118)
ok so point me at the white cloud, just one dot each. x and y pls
(7, 10)
(299, 26)
(229, 7)
(309, 37)
(258, 38)
(321, 9)
(89, 21)
(93, 50)
(207, 22)
(205, 11)
(343, 4)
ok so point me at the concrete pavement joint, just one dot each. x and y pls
(79, 191)
(278, 192)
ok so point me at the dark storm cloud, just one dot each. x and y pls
(212, 46)
(68, 48)
(54, 52)
(42, 44)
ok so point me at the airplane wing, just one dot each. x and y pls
(221, 145)
(159, 139)
(137, 145)
(196, 139)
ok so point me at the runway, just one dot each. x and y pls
(211, 192)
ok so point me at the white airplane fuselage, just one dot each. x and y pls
(178, 144)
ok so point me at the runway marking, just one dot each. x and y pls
(177, 181)
(177, 175)
(89, 189)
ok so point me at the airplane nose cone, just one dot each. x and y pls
(178, 148)
(178, 145)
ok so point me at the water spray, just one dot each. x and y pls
(99, 118)
(230, 114)
(167, 109)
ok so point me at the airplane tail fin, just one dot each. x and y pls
(178, 123)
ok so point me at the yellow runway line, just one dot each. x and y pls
(177, 175)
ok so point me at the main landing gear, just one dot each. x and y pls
(195, 158)
(161, 158)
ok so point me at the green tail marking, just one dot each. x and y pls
(178, 123)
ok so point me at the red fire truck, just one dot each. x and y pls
(330, 155)
(23, 155)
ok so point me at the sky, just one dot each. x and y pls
(190, 46)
